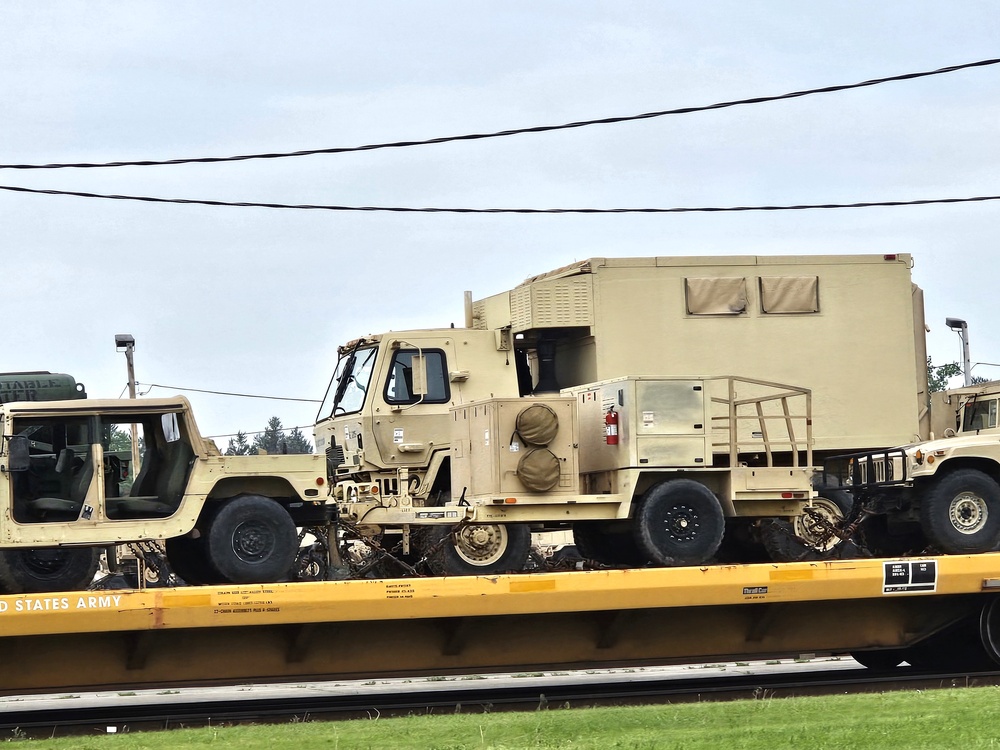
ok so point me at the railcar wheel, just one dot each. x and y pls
(602, 542)
(960, 513)
(883, 659)
(252, 539)
(679, 522)
(477, 549)
(44, 569)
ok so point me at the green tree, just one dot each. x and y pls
(297, 442)
(938, 375)
(270, 440)
(238, 446)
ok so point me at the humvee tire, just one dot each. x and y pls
(45, 569)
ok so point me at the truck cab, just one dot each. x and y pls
(385, 413)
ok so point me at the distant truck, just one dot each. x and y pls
(945, 491)
(622, 338)
(39, 385)
(63, 499)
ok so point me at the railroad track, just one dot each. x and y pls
(130, 712)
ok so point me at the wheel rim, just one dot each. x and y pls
(813, 525)
(968, 513)
(253, 541)
(481, 544)
(44, 563)
(682, 523)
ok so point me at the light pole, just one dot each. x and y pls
(962, 328)
(125, 342)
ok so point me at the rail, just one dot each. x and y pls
(779, 430)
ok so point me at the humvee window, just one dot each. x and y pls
(980, 415)
(60, 469)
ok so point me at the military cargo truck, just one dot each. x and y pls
(386, 423)
(63, 498)
(39, 385)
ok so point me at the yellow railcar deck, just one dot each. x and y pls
(421, 626)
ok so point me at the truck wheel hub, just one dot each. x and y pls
(968, 513)
(480, 543)
(682, 523)
(252, 541)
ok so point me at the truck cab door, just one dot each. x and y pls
(415, 395)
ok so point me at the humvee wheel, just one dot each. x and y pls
(679, 522)
(477, 549)
(960, 513)
(252, 539)
(828, 509)
(45, 569)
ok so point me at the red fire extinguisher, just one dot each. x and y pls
(611, 426)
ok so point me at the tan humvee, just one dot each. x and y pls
(64, 496)
(943, 492)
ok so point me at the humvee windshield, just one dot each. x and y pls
(980, 415)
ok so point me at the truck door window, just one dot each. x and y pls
(60, 469)
(399, 386)
(980, 415)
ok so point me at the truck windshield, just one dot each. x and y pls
(350, 383)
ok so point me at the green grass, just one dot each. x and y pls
(965, 719)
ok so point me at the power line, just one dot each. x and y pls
(150, 386)
(443, 210)
(513, 131)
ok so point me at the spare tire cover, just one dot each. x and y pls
(537, 425)
(538, 470)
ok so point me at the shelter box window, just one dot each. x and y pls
(789, 294)
(716, 295)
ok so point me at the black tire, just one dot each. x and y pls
(476, 549)
(46, 569)
(252, 539)
(960, 512)
(881, 660)
(679, 522)
(189, 562)
(606, 543)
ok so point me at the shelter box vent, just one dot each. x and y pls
(661, 423)
(515, 446)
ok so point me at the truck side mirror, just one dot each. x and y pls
(18, 453)
(418, 366)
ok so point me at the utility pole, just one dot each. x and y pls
(125, 342)
(962, 328)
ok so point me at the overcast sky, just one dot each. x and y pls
(256, 300)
